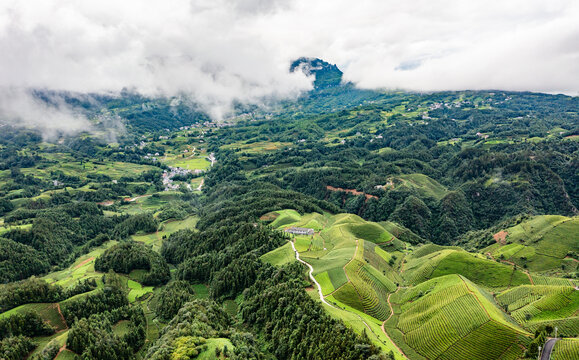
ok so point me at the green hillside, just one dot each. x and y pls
(349, 260)
(544, 243)
(444, 227)
(541, 305)
(441, 311)
(420, 183)
(449, 317)
(566, 349)
(48, 312)
(428, 262)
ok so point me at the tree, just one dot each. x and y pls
(413, 214)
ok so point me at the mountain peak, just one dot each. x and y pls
(326, 74)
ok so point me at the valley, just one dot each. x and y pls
(399, 226)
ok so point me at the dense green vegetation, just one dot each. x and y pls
(128, 256)
(444, 228)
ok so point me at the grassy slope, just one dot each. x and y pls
(167, 228)
(209, 353)
(82, 268)
(541, 243)
(280, 256)
(481, 271)
(285, 217)
(137, 290)
(534, 306)
(423, 184)
(432, 261)
(449, 317)
(566, 349)
(47, 311)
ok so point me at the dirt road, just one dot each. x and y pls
(384, 330)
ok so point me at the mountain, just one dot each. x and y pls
(325, 74)
(345, 224)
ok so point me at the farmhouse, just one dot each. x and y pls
(299, 231)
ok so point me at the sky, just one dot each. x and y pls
(220, 51)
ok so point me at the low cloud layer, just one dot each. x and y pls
(53, 117)
(221, 51)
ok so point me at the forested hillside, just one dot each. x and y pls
(443, 226)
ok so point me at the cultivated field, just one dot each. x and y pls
(436, 302)
(541, 244)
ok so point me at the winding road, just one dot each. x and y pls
(311, 275)
(546, 352)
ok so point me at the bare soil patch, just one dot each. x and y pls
(500, 237)
(269, 216)
(84, 262)
(351, 191)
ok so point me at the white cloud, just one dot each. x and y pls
(220, 51)
(449, 44)
(20, 107)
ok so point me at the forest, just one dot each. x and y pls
(102, 256)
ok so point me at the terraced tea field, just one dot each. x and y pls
(541, 244)
(533, 306)
(566, 349)
(424, 264)
(449, 315)
(346, 256)
(443, 310)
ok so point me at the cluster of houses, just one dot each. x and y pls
(455, 104)
(151, 156)
(168, 177)
(207, 124)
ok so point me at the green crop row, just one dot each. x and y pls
(490, 341)
(429, 306)
(540, 302)
(447, 326)
(566, 349)
(514, 296)
(377, 295)
(524, 301)
(546, 280)
(372, 292)
(565, 327)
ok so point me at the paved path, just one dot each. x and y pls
(546, 352)
(311, 275)
(200, 185)
(327, 303)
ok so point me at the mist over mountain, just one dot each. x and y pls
(325, 74)
(289, 180)
(183, 50)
